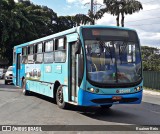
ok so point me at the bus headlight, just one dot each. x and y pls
(137, 88)
(93, 90)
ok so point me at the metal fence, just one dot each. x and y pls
(151, 79)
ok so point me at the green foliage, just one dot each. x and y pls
(23, 21)
(151, 59)
(117, 7)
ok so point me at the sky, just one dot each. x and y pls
(146, 22)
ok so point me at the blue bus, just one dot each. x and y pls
(86, 65)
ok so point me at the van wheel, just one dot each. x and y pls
(106, 106)
(24, 91)
(60, 98)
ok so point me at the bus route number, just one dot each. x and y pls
(121, 91)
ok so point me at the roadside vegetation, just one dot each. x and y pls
(151, 58)
(24, 21)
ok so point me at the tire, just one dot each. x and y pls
(24, 91)
(106, 106)
(6, 83)
(60, 98)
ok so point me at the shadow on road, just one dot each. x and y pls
(143, 114)
(140, 114)
(9, 88)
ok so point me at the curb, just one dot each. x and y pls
(151, 92)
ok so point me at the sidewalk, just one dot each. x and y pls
(146, 91)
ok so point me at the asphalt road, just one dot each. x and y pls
(17, 109)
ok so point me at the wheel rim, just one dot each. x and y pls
(60, 96)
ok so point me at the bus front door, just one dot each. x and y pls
(72, 73)
(18, 67)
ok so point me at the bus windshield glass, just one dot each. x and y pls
(115, 61)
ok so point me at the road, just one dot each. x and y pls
(35, 109)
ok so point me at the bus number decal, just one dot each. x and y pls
(48, 69)
(124, 91)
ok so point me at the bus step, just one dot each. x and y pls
(73, 103)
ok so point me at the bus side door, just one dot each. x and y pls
(73, 72)
(18, 67)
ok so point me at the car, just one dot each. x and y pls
(2, 73)
(9, 75)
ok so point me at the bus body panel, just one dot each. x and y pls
(18, 68)
(46, 74)
(87, 99)
(116, 90)
(50, 73)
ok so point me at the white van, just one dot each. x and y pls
(9, 75)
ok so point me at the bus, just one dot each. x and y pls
(91, 65)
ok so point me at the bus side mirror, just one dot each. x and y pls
(78, 47)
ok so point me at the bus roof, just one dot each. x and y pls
(72, 30)
(104, 26)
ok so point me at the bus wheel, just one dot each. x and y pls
(106, 106)
(24, 91)
(5, 82)
(60, 98)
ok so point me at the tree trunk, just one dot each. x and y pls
(122, 20)
(117, 19)
(93, 21)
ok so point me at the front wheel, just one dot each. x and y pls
(106, 106)
(60, 98)
(24, 91)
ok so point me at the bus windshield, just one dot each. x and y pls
(112, 61)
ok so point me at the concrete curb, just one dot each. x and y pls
(151, 92)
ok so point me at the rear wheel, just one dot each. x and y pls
(24, 91)
(60, 98)
(5, 82)
(106, 106)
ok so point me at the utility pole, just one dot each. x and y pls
(92, 11)
(92, 6)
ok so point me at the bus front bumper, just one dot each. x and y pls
(90, 99)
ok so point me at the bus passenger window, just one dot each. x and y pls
(48, 54)
(38, 53)
(30, 54)
(60, 50)
(131, 53)
(14, 56)
(24, 55)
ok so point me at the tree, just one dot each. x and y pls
(96, 16)
(130, 7)
(151, 60)
(112, 7)
(22, 22)
(117, 7)
(81, 19)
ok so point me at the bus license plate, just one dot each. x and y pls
(116, 98)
